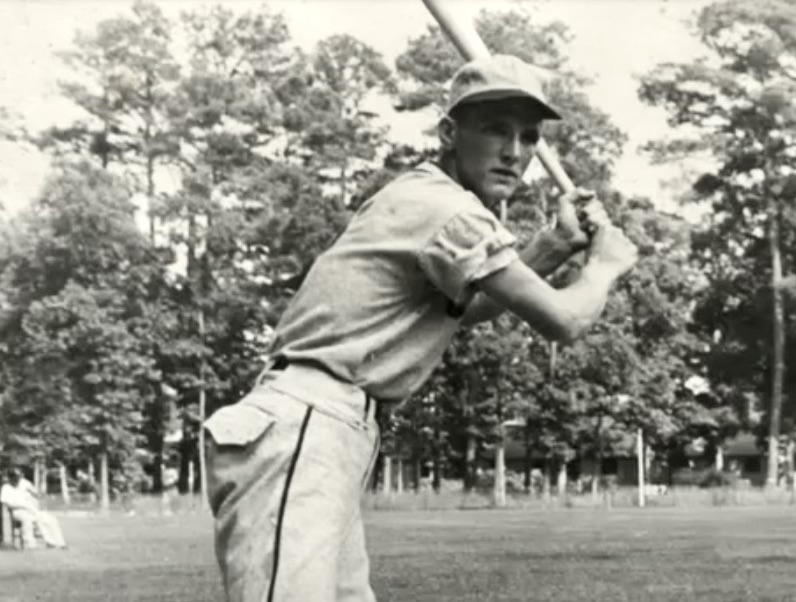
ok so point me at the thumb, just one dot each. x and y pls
(576, 197)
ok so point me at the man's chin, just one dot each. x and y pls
(493, 195)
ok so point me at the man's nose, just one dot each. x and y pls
(512, 148)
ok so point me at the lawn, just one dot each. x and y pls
(655, 554)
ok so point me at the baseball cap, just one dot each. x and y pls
(496, 77)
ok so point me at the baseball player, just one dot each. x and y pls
(423, 256)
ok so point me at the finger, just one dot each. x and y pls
(578, 196)
(594, 206)
(582, 196)
(592, 216)
(596, 217)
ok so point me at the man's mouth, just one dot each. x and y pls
(505, 173)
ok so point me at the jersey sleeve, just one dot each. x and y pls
(469, 247)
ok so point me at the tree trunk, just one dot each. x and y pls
(526, 462)
(387, 475)
(92, 479)
(436, 477)
(343, 184)
(191, 477)
(150, 159)
(561, 480)
(37, 476)
(777, 355)
(598, 472)
(158, 449)
(105, 488)
(150, 177)
(719, 459)
(640, 466)
(62, 478)
(500, 472)
(500, 445)
(202, 414)
(399, 481)
(187, 449)
(469, 464)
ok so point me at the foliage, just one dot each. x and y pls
(737, 105)
(247, 156)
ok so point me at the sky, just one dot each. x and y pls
(614, 41)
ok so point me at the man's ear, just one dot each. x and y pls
(446, 130)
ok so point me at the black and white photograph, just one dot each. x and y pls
(397, 300)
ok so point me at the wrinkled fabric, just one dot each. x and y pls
(466, 249)
(284, 481)
(379, 308)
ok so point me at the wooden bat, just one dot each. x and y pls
(471, 46)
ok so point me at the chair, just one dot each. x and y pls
(16, 534)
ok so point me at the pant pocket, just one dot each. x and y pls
(238, 425)
(234, 432)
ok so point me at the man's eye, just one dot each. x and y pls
(530, 137)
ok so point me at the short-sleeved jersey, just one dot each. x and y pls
(379, 307)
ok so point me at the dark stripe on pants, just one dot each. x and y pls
(283, 503)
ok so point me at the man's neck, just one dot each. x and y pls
(446, 163)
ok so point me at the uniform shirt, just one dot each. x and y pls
(379, 308)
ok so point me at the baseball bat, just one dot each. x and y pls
(471, 46)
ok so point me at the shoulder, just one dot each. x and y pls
(429, 179)
(423, 198)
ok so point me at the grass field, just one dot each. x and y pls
(655, 554)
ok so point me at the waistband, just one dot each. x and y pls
(321, 390)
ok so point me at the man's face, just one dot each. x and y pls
(493, 142)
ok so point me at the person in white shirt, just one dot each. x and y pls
(20, 497)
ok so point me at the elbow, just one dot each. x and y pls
(567, 331)
(565, 335)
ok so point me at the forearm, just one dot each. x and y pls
(584, 300)
(557, 314)
(544, 255)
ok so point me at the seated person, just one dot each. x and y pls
(19, 495)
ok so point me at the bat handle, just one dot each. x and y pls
(553, 167)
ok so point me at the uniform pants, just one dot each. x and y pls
(286, 470)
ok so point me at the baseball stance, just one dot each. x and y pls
(420, 259)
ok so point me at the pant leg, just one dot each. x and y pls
(50, 529)
(353, 573)
(283, 503)
(27, 521)
(353, 577)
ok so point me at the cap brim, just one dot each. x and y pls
(546, 111)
